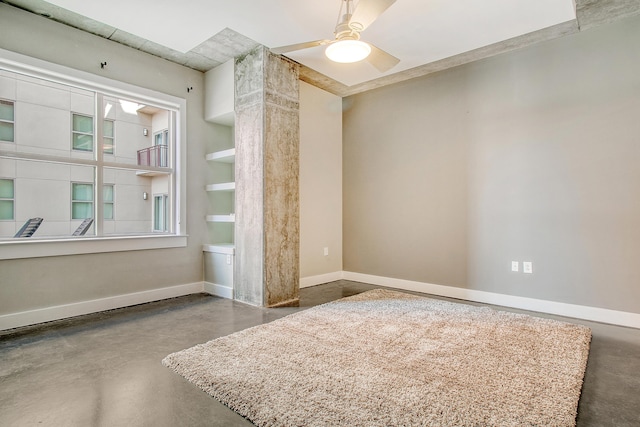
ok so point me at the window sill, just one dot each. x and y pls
(29, 248)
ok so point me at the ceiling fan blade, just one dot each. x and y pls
(382, 60)
(299, 46)
(368, 11)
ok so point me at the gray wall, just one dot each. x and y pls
(529, 156)
(320, 181)
(28, 284)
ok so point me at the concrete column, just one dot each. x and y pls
(267, 228)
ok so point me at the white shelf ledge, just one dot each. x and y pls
(221, 218)
(225, 186)
(220, 248)
(224, 156)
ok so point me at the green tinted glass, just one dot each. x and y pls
(82, 192)
(6, 209)
(107, 193)
(82, 124)
(6, 189)
(82, 142)
(81, 210)
(108, 128)
(6, 110)
(108, 145)
(108, 211)
(6, 131)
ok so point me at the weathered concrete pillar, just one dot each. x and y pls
(267, 228)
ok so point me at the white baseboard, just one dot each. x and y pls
(218, 290)
(306, 282)
(32, 317)
(595, 314)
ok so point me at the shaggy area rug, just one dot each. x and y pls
(385, 358)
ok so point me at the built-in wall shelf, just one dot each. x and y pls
(220, 248)
(225, 186)
(224, 156)
(221, 218)
(220, 155)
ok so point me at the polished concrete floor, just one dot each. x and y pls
(104, 369)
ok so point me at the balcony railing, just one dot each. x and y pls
(157, 155)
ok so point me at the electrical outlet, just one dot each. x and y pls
(326, 251)
(515, 266)
(527, 267)
(228, 259)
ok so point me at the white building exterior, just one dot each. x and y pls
(52, 165)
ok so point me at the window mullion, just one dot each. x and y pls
(172, 211)
(99, 170)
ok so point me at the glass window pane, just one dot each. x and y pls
(82, 192)
(108, 145)
(81, 210)
(6, 189)
(165, 200)
(6, 209)
(82, 123)
(6, 131)
(108, 134)
(108, 211)
(107, 193)
(82, 142)
(108, 128)
(6, 110)
(157, 213)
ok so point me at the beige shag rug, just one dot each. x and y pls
(385, 358)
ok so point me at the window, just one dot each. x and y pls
(159, 151)
(67, 173)
(109, 136)
(81, 200)
(107, 200)
(161, 138)
(82, 132)
(160, 213)
(6, 199)
(6, 121)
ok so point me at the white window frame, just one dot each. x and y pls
(92, 201)
(110, 202)
(41, 247)
(13, 122)
(13, 213)
(164, 137)
(112, 138)
(164, 198)
(77, 132)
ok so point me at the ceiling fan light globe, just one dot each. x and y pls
(347, 51)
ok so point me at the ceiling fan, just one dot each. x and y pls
(347, 46)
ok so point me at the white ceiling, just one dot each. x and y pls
(416, 31)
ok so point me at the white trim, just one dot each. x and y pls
(595, 314)
(308, 281)
(218, 290)
(34, 248)
(32, 317)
